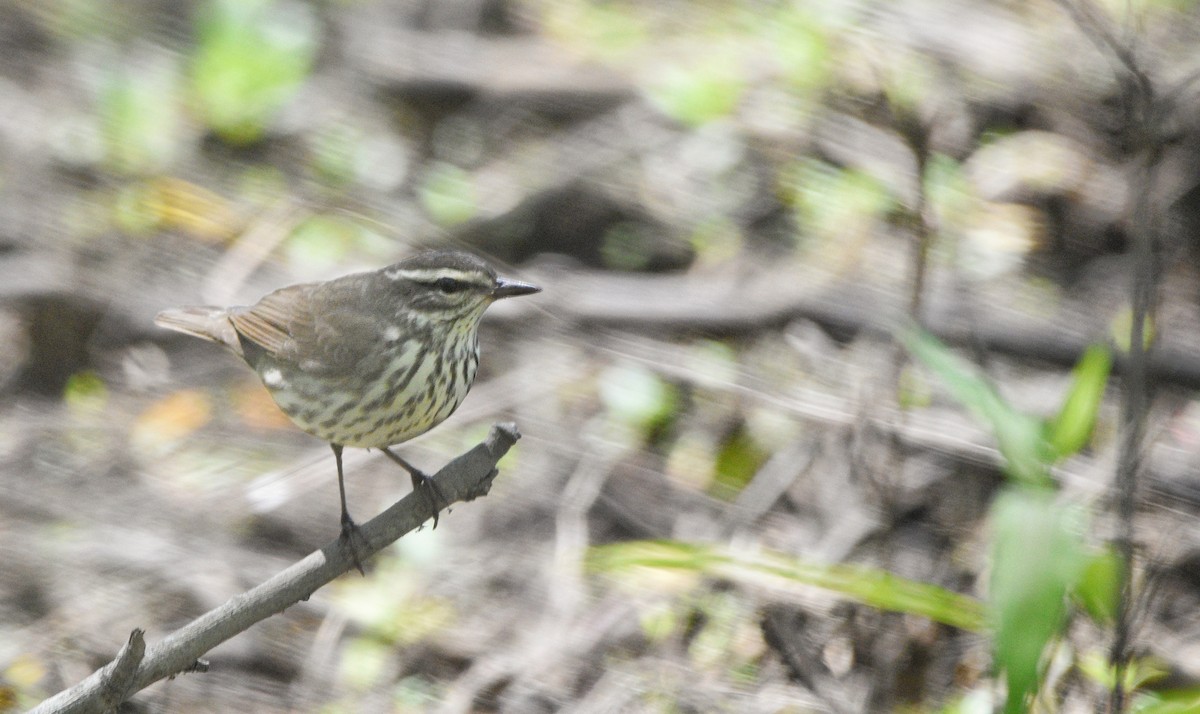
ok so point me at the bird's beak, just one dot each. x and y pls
(512, 288)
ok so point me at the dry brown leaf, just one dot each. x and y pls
(173, 417)
(256, 409)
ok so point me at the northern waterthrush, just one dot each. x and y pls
(367, 360)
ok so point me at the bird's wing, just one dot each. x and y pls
(327, 341)
(269, 323)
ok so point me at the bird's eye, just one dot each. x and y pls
(448, 285)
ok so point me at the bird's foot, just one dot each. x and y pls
(424, 483)
(349, 533)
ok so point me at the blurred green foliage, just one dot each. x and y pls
(1038, 555)
(322, 240)
(1140, 671)
(867, 585)
(1181, 701)
(344, 155)
(334, 152)
(1029, 445)
(389, 611)
(1071, 429)
(251, 57)
(627, 246)
(85, 392)
(610, 30)
(726, 636)
(698, 67)
(832, 204)
(738, 460)
(1027, 455)
(1098, 589)
(363, 662)
(140, 119)
(701, 93)
(801, 39)
(448, 194)
(950, 194)
(637, 397)
(1122, 331)
(974, 702)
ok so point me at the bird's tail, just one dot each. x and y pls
(209, 323)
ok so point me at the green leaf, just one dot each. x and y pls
(738, 460)
(85, 392)
(1069, 432)
(1175, 701)
(1138, 672)
(1037, 557)
(1099, 588)
(870, 586)
(1020, 436)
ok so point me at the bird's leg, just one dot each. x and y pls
(433, 494)
(349, 528)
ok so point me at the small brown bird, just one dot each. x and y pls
(370, 359)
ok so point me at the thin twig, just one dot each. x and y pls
(1134, 407)
(465, 478)
(1088, 18)
(1143, 114)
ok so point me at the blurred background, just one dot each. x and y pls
(737, 490)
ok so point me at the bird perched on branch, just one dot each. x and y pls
(368, 360)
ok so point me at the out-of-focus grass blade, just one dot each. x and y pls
(1070, 430)
(1021, 437)
(1176, 701)
(1139, 671)
(1122, 330)
(870, 586)
(1037, 557)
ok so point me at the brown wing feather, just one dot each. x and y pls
(272, 322)
(331, 340)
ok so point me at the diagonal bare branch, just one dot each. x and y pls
(467, 477)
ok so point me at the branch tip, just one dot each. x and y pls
(117, 680)
(179, 652)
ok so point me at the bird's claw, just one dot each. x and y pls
(349, 532)
(433, 493)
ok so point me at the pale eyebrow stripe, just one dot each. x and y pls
(428, 275)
